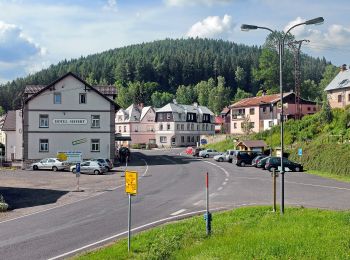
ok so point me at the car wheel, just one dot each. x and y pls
(206, 156)
(108, 169)
(35, 168)
(54, 169)
(297, 169)
(243, 164)
(74, 170)
(97, 172)
(220, 159)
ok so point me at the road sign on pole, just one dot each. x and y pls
(300, 151)
(77, 174)
(130, 189)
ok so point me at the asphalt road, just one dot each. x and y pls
(171, 186)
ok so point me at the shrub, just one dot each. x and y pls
(3, 205)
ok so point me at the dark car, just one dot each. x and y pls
(257, 159)
(124, 154)
(244, 158)
(275, 162)
(261, 163)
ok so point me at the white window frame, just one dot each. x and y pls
(163, 139)
(57, 94)
(95, 145)
(43, 146)
(95, 121)
(80, 98)
(43, 121)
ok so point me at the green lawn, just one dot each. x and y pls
(244, 233)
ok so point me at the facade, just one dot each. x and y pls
(135, 125)
(182, 125)
(69, 115)
(252, 145)
(2, 133)
(338, 90)
(12, 128)
(261, 113)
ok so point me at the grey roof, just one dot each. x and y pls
(104, 89)
(253, 143)
(179, 108)
(10, 121)
(144, 111)
(341, 81)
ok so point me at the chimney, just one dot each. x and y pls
(195, 104)
(343, 67)
(263, 92)
(174, 101)
(141, 105)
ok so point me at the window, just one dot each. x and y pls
(95, 121)
(235, 125)
(124, 129)
(161, 127)
(136, 129)
(192, 139)
(192, 126)
(252, 111)
(177, 127)
(188, 126)
(167, 116)
(182, 139)
(270, 123)
(120, 129)
(168, 127)
(43, 145)
(43, 121)
(160, 116)
(197, 127)
(162, 139)
(120, 118)
(308, 108)
(188, 139)
(57, 98)
(251, 124)
(95, 145)
(264, 109)
(339, 98)
(82, 98)
(182, 127)
(348, 97)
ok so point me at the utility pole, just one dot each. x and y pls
(296, 46)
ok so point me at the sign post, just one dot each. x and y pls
(300, 153)
(131, 178)
(77, 174)
(207, 215)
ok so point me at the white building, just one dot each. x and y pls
(69, 115)
(2, 133)
(12, 128)
(182, 125)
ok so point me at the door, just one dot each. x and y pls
(42, 164)
(85, 167)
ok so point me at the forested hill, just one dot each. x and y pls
(170, 63)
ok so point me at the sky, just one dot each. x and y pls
(37, 33)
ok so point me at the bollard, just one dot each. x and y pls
(274, 175)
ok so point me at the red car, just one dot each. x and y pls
(189, 150)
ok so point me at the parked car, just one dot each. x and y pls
(231, 155)
(244, 158)
(195, 151)
(124, 153)
(208, 153)
(261, 163)
(275, 162)
(49, 164)
(90, 167)
(105, 162)
(222, 157)
(257, 159)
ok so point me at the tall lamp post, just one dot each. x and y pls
(247, 27)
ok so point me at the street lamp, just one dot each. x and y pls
(247, 27)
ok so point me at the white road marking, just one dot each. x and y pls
(224, 183)
(198, 202)
(178, 212)
(213, 194)
(69, 203)
(226, 179)
(134, 229)
(317, 185)
(226, 172)
(220, 188)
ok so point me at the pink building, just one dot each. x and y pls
(264, 112)
(135, 125)
(338, 90)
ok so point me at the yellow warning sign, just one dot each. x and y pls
(62, 156)
(131, 182)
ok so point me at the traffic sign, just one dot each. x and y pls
(300, 151)
(131, 182)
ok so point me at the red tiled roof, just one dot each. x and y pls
(32, 89)
(10, 121)
(225, 110)
(219, 120)
(256, 101)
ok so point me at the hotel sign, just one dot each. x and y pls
(70, 121)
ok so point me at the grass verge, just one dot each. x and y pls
(243, 233)
(329, 175)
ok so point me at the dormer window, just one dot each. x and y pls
(82, 98)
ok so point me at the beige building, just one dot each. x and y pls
(135, 125)
(183, 125)
(338, 90)
(69, 115)
(2, 133)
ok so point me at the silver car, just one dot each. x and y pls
(105, 162)
(222, 157)
(49, 164)
(90, 167)
(208, 153)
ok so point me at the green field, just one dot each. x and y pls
(244, 233)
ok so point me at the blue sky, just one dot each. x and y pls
(36, 33)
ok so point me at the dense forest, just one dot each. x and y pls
(187, 69)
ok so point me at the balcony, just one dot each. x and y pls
(238, 116)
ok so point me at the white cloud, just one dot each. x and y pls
(195, 2)
(212, 26)
(111, 5)
(335, 36)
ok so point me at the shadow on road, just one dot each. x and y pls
(25, 197)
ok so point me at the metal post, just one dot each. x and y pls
(274, 190)
(207, 216)
(78, 177)
(129, 223)
(271, 110)
(281, 44)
